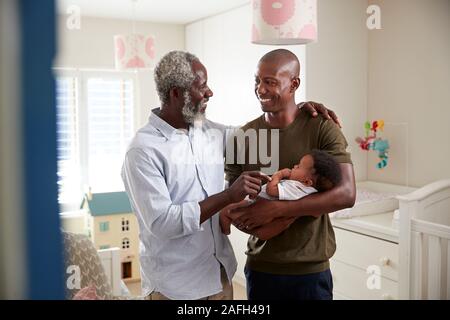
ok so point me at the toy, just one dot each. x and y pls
(111, 222)
(371, 142)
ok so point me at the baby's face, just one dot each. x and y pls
(304, 171)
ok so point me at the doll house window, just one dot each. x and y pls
(125, 224)
(104, 226)
(125, 243)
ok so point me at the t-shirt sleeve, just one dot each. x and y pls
(332, 140)
(232, 169)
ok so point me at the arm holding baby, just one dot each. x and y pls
(316, 172)
(265, 232)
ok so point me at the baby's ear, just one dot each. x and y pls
(309, 182)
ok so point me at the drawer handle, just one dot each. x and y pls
(385, 261)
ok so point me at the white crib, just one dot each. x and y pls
(424, 242)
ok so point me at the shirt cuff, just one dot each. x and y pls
(191, 217)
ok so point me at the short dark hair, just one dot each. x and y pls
(327, 170)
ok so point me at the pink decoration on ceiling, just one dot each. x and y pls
(308, 32)
(277, 12)
(120, 48)
(135, 62)
(134, 51)
(150, 48)
(284, 22)
(255, 33)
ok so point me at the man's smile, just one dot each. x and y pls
(264, 100)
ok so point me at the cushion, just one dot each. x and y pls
(87, 293)
(83, 267)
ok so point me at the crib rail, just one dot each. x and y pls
(430, 263)
(430, 228)
(424, 243)
(426, 191)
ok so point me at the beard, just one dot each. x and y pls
(191, 112)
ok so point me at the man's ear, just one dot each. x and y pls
(295, 83)
(175, 94)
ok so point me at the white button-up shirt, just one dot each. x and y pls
(166, 173)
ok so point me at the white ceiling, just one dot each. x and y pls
(163, 11)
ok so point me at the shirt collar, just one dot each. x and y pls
(162, 126)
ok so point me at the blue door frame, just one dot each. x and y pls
(43, 239)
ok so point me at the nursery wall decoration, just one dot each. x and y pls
(374, 143)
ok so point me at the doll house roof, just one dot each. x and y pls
(102, 204)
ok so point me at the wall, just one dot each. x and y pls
(92, 47)
(409, 76)
(337, 69)
(74, 222)
(222, 42)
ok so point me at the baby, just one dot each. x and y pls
(317, 171)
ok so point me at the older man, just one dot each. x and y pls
(173, 173)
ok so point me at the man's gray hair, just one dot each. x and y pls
(174, 70)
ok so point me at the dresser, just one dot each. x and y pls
(365, 265)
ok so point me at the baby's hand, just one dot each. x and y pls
(280, 175)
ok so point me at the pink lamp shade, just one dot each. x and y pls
(134, 51)
(284, 22)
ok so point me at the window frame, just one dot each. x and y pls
(81, 76)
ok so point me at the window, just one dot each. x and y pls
(125, 243)
(125, 224)
(95, 123)
(105, 246)
(104, 226)
(69, 181)
(110, 104)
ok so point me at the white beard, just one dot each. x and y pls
(191, 113)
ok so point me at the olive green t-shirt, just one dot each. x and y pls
(307, 245)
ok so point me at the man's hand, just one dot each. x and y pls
(315, 108)
(257, 214)
(248, 183)
(226, 218)
(225, 222)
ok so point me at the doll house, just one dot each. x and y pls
(110, 222)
